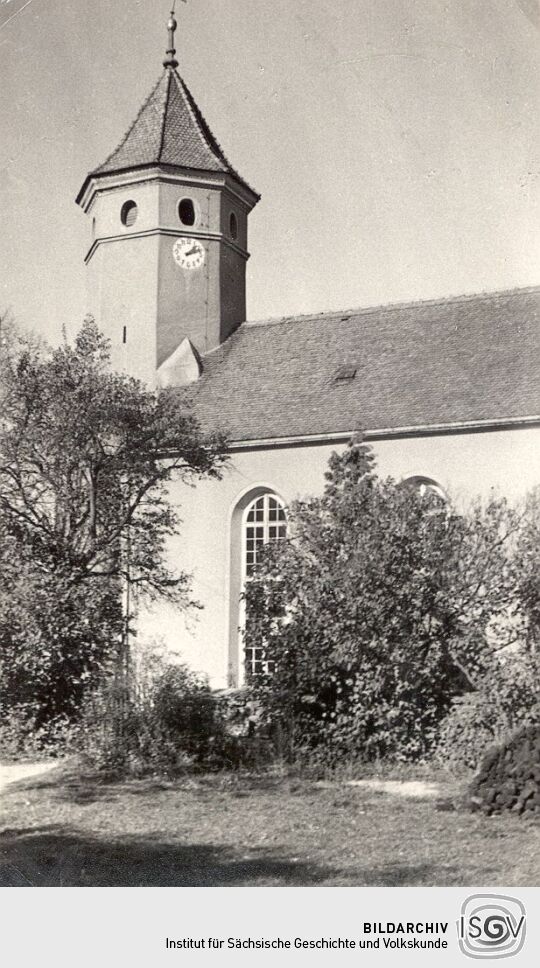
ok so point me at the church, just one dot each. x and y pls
(446, 391)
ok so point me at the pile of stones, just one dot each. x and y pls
(509, 777)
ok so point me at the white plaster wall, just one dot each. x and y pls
(107, 208)
(465, 465)
(122, 280)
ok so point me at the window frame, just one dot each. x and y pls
(281, 524)
(193, 203)
(130, 205)
(425, 486)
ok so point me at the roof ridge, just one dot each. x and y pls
(123, 140)
(206, 134)
(164, 115)
(390, 307)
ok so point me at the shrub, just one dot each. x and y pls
(509, 777)
(508, 697)
(57, 640)
(527, 566)
(159, 721)
(372, 617)
(166, 720)
(23, 738)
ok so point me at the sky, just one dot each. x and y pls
(395, 142)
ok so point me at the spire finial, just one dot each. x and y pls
(170, 59)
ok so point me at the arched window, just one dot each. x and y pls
(264, 521)
(233, 226)
(426, 487)
(128, 213)
(186, 211)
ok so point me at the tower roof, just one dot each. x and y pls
(169, 130)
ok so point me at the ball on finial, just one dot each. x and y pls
(172, 25)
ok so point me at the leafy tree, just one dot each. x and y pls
(527, 566)
(86, 455)
(378, 610)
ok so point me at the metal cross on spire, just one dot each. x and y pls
(170, 59)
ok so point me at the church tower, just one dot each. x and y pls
(167, 261)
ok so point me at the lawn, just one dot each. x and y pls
(58, 830)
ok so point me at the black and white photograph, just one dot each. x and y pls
(270, 448)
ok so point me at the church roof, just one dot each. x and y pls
(415, 365)
(168, 130)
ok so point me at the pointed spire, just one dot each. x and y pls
(169, 130)
(170, 59)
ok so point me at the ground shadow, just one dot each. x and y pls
(74, 787)
(53, 857)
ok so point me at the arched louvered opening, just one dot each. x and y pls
(186, 211)
(128, 214)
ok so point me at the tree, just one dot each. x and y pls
(376, 612)
(527, 562)
(86, 456)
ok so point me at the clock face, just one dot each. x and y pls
(189, 253)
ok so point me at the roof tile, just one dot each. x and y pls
(456, 360)
(169, 130)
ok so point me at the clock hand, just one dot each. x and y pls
(193, 250)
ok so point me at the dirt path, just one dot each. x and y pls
(12, 772)
(410, 789)
(415, 789)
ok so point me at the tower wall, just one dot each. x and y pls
(232, 291)
(188, 301)
(122, 298)
(140, 296)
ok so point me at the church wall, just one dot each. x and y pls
(465, 465)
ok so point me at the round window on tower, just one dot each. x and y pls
(128, 215)
(233, 226)
(186, 211)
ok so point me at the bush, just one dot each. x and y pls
(509, 777)
(159, 722)
(507, 698)
(373, 616)
(57, 639)
(166, 721)
(23, 738)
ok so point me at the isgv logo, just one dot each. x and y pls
(491, 926)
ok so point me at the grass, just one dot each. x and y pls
(61, 830)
